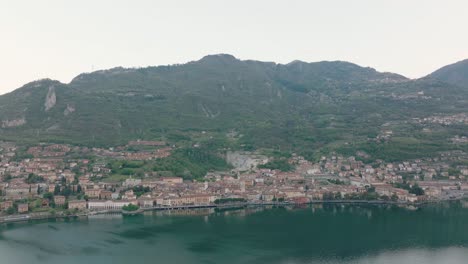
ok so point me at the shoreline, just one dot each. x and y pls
(28, 217)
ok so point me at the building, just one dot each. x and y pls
(105, 195)
(77, 204)
(108, 205)
(301, 200)
(129, 195)
(201, 199)
(23, 208)
(146, 202)
(45, 203)
(51, 188)
(59, 200)
(6, 204)
(20, 190)
(132, 182)
(172, 179)
(93, 193)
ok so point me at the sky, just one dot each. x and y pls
(60, 39)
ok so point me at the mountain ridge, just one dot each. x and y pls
(456, 73)
(228, 57)
(210, 58)
(297, 106)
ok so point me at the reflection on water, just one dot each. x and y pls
(335, 234)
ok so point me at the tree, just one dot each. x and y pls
(416, 190)
(277, 164)
(57, 189)
(140, 190)
(66, 191)
(328, 196)
(130, 207)
(48, 195)
(371, 189)
(337, 196)
(394, 198)
(229, 200)
(10, 210)
(38, 203)
(7, 177)
(33, 178)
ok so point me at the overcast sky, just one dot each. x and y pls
(59, 39)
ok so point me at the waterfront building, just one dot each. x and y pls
(108, 205)
(201, 199)
(146, 202)
(77, 204)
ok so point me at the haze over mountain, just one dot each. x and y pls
(305, 107)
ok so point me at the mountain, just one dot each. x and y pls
(305, 107)
(456, 74)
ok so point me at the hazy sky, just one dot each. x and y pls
(59, 39)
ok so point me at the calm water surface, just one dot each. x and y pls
(319, 234)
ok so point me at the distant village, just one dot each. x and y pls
(59, 179)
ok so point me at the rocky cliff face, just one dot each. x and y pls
(51, 99)
(244, 161)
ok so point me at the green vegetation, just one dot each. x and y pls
(230, 200)
(48, 195)
(332, 196)
(277, 154)
(277, 164)
(191, 163)
(454, 172)
(281, 199)
(33, 178)
(21, 155)
(140, 190)
(311, 109)
(10, 210)
(414, 189)
(7, 177)
(336, 181)
(454, 73)
(128, 168)
(130, 208)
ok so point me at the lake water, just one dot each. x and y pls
(331, 234)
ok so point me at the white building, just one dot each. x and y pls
(131, 182)
(108, 205)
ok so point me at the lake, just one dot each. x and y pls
(331, 234)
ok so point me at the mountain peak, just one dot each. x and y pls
(222, 57)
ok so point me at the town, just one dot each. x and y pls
(59, 180)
